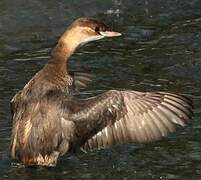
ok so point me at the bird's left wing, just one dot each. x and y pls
(81, 79)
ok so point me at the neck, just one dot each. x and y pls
(61, 53)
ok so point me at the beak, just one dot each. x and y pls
(110, 33)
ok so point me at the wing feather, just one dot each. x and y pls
(81, 79)
(129, 116)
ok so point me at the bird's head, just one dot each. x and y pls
(84, 30)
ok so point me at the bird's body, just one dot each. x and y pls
(48, 121)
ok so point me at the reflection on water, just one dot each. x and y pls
(160, 50)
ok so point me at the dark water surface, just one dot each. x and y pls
(160, 50)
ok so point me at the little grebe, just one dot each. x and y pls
(48, 121)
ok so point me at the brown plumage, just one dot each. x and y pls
(48, 121)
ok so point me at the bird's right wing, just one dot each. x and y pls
(128, 116)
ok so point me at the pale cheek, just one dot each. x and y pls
(79, 36)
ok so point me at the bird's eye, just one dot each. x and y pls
(97, 29)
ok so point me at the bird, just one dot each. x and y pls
(49, 121)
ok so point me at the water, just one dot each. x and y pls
(160, 50)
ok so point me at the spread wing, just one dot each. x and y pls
(128, 116)
(81, 79)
